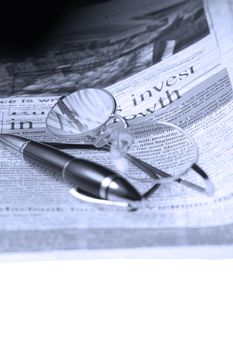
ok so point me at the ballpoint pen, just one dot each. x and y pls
(91, 179)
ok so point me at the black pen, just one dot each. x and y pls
(91, 178)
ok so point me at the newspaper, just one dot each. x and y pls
(189, 86)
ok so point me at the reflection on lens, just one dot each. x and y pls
(80, 112)
(166, 148)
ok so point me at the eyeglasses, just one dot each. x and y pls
(158, 152)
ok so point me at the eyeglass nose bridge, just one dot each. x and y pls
(108, 131)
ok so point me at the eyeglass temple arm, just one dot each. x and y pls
(153, 172)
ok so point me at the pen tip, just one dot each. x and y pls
(119, 188)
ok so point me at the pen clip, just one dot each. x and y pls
(77, 193)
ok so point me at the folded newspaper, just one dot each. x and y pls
(161, 60)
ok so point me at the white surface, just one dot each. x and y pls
(170, 252)
(116, 304)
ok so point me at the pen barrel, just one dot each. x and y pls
(82, 173)
(46, 155)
